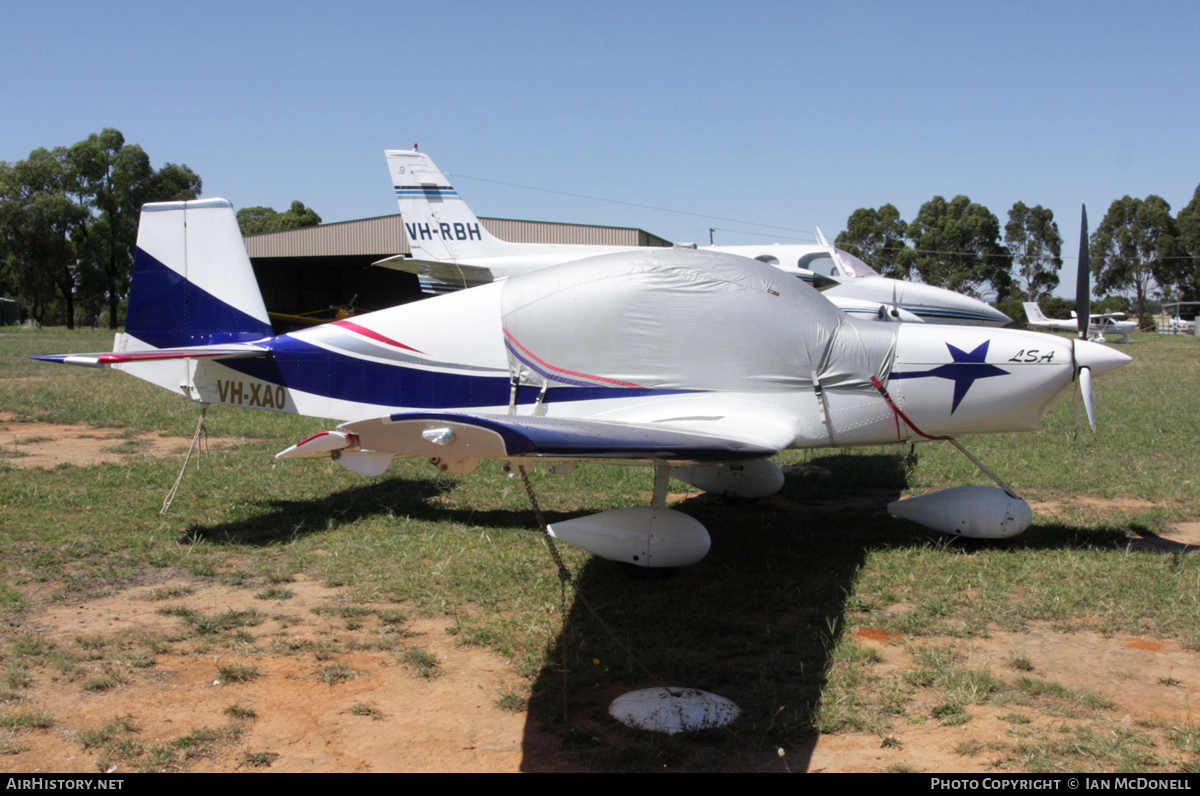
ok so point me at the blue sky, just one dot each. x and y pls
(788, 114)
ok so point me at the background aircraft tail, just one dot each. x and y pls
(192, 282)
(1034, 313)
(439, 225)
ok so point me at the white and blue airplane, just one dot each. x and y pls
(451, 250)
(700, 364)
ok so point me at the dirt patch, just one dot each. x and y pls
(1144, 644)
(1185, 533)
(47, 445)
(316, 691)
(1059, 508)
(319, 698)
(320, 691)
(875, 634)
(1148, 685)
(1182, 537)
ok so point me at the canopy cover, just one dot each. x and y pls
(681, 319)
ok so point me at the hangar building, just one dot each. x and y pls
(313, 268)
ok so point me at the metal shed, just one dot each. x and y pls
(327, 265)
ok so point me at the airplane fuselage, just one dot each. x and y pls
(448, 354)
(701, 364)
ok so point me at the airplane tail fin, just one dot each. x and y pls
(192, 284)
(439, 225)
(1033, 312)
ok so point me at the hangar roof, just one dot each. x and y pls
(383, 236)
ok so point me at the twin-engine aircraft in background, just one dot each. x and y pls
(1098, 325)
(700, 364)
(451, 250)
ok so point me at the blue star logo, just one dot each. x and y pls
(963, 371)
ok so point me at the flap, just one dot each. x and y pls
(504, 436)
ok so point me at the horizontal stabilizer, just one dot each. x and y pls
(438, 277)
(343, 448)
(104, 359)
(503, 436)
(319, 445)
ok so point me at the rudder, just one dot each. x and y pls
(192, 279)
(439, 225)
(1033, 312)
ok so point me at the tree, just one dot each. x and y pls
(1036, 247)
(1188, 273)
(958, 247)
(1133, 248)
(116, 179)
(88, 195)
(1057, 308)
(878, 238)
(254, 220)
(43, 230)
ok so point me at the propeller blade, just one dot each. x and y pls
(1079, 404)
(1088, 359)
(1089, 399)
(1083, 281)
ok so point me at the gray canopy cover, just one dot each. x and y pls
(683, 319)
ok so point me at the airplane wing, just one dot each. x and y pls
(873, 310)
(485, 436)
(106, 358)
(438, 277)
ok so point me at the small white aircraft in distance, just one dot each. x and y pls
(451, 250)
(1098, 325)
(701, 364)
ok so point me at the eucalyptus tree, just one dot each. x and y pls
(1188, 223)
(877, 237)
(254, 220)
(1032, 238)
(957, 246)
(115, 180)
(44, 229)
(1135, 249)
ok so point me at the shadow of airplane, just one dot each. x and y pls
(756, 621)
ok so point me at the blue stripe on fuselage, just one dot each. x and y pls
(301, 366)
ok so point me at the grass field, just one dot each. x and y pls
(769, 619)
